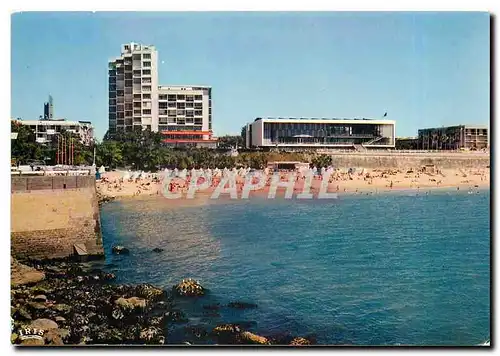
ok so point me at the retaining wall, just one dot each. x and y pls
(49, 215)
(409, 161)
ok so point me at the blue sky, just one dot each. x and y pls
(423, 69)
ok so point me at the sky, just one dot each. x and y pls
(424, 69)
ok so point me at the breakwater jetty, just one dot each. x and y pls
(55, 217)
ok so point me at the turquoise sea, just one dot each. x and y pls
(388, 269)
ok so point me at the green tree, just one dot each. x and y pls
(109, 153)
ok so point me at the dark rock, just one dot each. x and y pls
(227, 334)
(63, 308)
(242, 305)
(36, 306)
(132, 303)
(21, 314)
(189, 288)
(117, 314)
(158, 250)
(175, 316)
(152, 335)
(299, 341)
(149, 292)
(40, 298)
(52, 337)
(120, 250)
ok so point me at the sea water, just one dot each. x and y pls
(388, 269)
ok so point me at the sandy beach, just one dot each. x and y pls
(341, 182)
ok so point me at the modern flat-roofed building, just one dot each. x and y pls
(454, 137)
(133, 89)
(185, 115)
(320, 133)
(48, 130)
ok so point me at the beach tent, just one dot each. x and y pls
(102, 170)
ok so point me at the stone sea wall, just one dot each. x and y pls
(50, 215)
(410, 161)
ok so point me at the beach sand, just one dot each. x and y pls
(341, 182)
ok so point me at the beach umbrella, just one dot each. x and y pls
(102, 169)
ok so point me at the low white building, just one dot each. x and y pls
(48, 130)
(320, 133)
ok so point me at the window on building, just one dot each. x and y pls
(189, 97)
(198, 113)
(146, 80)
(128, 106)
(137, 105)
(181, 112)
(189, 105)
(146, 72)
(146, 111)
(198, 105)
(146, 96)
(181, 97)
(198, 97)
(146, 56)
(189, 113)
(172, 97)
(146, 64)
(181, 105)
(172, 104)
(146, 88)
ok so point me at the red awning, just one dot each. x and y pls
(182, 133)
(172, 140)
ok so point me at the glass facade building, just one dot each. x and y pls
(320, 132)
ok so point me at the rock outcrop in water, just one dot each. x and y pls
(120, 250)
(189, 288)
(79, 306)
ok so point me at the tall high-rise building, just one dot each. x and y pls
(48, 109)
(183, 113)
(133, 89)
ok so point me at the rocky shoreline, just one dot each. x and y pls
(75, 304)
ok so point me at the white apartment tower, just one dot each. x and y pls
(183, 113)
(133, 89)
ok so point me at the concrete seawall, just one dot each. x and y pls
(403, 161)
(52, 217)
